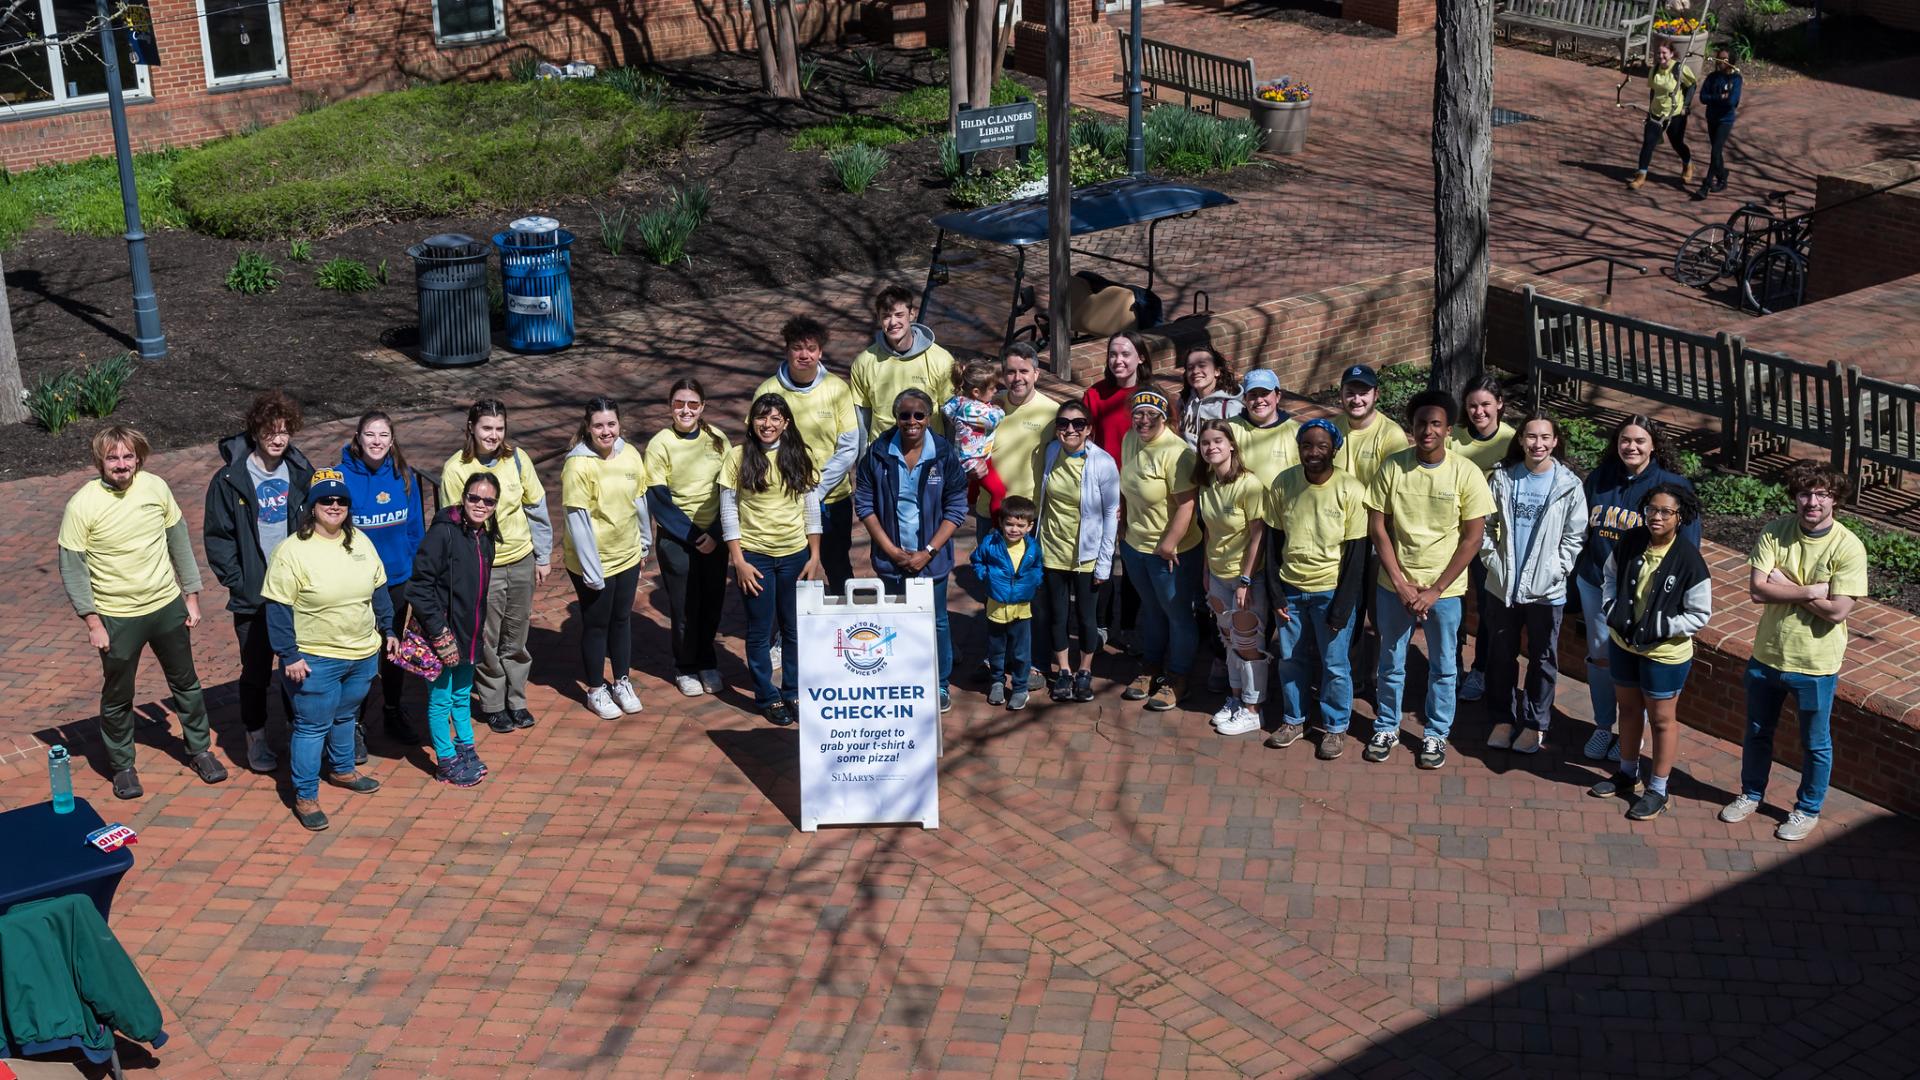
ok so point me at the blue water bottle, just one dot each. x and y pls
(60, 774)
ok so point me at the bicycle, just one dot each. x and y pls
(1765, 250)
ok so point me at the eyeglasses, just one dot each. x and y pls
(1072, 423)
(1822, 495)
(331, 500)
(1660, 512)
(903, 417)
(482, 500)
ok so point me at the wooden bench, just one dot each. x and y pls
(1627, 22)
(1191, 72)
(1787, 399)
(1571, 343)
(1886, 428)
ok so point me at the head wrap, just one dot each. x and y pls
(1323, 424)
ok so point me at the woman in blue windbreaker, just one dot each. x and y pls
(1638, 460)
(388, 508)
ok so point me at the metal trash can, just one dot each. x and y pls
(456, 329)
(535, 263)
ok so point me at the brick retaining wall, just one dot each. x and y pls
(1869, 242)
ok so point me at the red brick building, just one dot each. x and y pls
(230, 64)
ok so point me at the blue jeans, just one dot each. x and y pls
(778, 580)
(1443, 662)
(1599, 679)
(1657, 680)
(450, 710)
(1307, 624)
(325, 705)
(1767, 690)
(1010, 652)
(1168, 636)
(897, 586)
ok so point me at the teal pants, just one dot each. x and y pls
(450, 710)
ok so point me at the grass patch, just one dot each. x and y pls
(928, 104)
(83, 197)
(345, 275)
(853, 130)
(253, 274)
(429, 151)
(856, 167)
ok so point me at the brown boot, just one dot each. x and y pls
(1686, 174)
(1167, 693)
(1639, 181)
(309, 814)
(1141, 686)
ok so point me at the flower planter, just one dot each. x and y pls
(1283, 125)
(1692, 49)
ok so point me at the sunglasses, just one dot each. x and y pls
(903, 417)
(331, 500)
(1072, 424)
(482, 500)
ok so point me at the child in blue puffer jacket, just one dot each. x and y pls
(389, 509)
(1007, 562)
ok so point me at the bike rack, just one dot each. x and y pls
(1611, 261)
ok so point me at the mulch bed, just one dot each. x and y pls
(777, 219)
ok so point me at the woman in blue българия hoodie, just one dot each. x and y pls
(388, 508)
(1638, 458)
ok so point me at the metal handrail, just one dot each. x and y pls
(1611, 261)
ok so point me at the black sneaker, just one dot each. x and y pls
(1651, 804)
(1083, 686)
(500, 723)
(1284, 736)
(777, 714)
(400, 728)
(1618, 784)
(1332, 744)
(1433, 753)
(522, 719)
(997, 693)
(208, 767)
(126, 784)
(1062, 688)
(1379, 745)
(359, 743)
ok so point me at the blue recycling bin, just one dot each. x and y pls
(536, 260)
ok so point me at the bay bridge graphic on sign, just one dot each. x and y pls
(865, 647)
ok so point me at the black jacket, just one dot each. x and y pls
(450, 576)
(1682, 599)
(233, 543)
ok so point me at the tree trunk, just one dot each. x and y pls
(763, 44)
(12, 409)
(980, 50)
(1002, 26)
(786, 51)
(1462, 176)
(959, 68)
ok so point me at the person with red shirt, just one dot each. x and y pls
(1109, 403)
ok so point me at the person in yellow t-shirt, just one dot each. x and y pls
(603, 489)
(1079, 505)
(1807, 570)
(1656, 594)
(1426, 514)
(128, 568)
(1319, 515)
(328, 612)
(1232, 504)
(1159, 550)
(684, 460)
(1265, 435)
(825, 415)
(903, 356)
(1367, 438)
(1482, 438)
(1026, 428)
(521, 561)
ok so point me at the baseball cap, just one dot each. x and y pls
(328, 482)
(1361, 374)
(1260, 379)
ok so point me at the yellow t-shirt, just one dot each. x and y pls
(821, 414)
(690, 469)
(1790, 637)
(1018, 447)
(1426, 507)
(123, 535)
(1226, 509)
(1011, 610)
(330, 590)
(1060, 515)
(1150, 475)
(1485, 453)
(878, 379)
(772, 522)
(1268, 451)
(1673, 650)
(606, 489)
(1317, 519)
(1363, 450)
(519, 489)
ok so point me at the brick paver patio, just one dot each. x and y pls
(1113, 893)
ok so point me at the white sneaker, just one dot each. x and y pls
(1226, 712)
(260, 756)
(1739, 810)
(1502, 737)
(1473, 687)
(1797, 826)
(624, 696)
(1597, 745)
(600, 700)
(1244, 721)
(689, 685)
(1528, 741)
(710, 680)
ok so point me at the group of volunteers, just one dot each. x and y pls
(1292, 559)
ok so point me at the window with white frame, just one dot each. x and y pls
(242, 41)
(455, 21)
(61, 63)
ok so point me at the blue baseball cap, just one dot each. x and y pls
(1260, 379)
(1361, 374)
